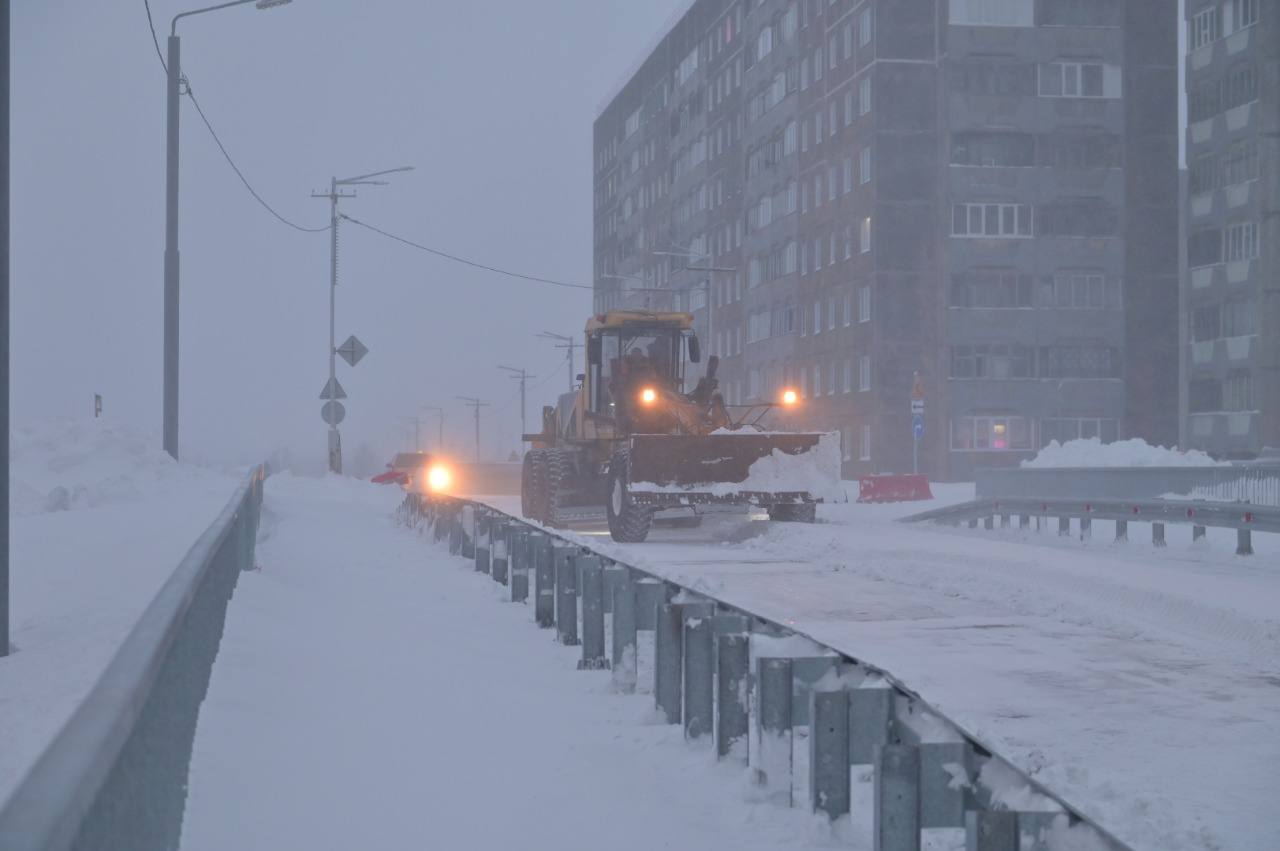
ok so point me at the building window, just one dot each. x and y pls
(846, 442)
(864, 453)
(864, 95)
(1240, 86)
(864, 304)
(1241, 241)
(1063, 429)
(993, 13)
(1204, 395)
(1237, 392)
(1002, 77)
(1006, 150)
(833, 306)
(1083, 290)
(1246, 13)
(866, 235)
(864, 27)
(1204, 248)
(1204, 28)
(1079, 362)
(1240, 162)
(764, 43)
(833, 378)
(1239, 318)
(817, 380)
(1075, 80)
(992, 288)
(1080, 13)
(817, 317)
(848, 174)
(633, 123)
(991, 220)
(994, 361)
(864, 373)
(864, 165)
(991, 434)
(1078, 217)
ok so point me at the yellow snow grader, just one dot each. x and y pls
(634, 441)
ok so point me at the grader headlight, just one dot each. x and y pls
(439, 477)
(648, 397)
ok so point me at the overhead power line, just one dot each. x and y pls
(209, 126)
(464, 261)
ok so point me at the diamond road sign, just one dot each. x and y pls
(333, 413)
(352, 351)
(333, 390)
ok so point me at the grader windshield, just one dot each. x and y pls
(625, 361)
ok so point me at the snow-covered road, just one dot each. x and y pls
(1142, 686)
(372, 692)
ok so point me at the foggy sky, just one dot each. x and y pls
(493, 103)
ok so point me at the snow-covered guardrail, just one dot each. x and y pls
(1243, 517)
(1257, 484)
(116, 775)
(755, 688)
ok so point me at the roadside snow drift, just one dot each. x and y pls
(1092, 452)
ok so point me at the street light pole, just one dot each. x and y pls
(475, 403)
(4, 325)
(523, 377)
(335, 194)
(172, 268)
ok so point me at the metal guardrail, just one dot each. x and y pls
(928, 771)
(1244, 518)
(1257, 484)
(115, 777)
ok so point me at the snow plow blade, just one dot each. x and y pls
(748, 467)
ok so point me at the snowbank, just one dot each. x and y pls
(79, 464)
(1135, 452)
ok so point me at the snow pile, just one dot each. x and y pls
(78, 464)
(816, 472)
(1092, 452)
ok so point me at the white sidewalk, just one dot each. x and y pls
(372, 692)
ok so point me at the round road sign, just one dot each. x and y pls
(333, 413)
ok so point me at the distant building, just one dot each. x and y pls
(980, 193)
(1232, 215)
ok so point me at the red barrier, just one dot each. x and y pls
(894, 488)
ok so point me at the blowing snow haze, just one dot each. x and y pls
(491, 102)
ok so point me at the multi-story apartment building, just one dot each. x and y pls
(1232, 219)
(977, 198)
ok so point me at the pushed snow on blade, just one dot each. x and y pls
(759, 468)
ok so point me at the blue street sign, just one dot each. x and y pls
(917, 425)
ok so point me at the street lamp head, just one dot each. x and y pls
(269, 4)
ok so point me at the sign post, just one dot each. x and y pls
(917, 421)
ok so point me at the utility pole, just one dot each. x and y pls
(440, 436)
(4, 326)
(523, 377)
(569, 344)
(174, 91)
(476, 404)
(417, 433)
(334, 412)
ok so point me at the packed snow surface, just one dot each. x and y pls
(1135, 452)
(374, 692)
(100, 519)
(1142, 686)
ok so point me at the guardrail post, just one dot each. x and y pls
(774, 759)
(1198, 532)
(1157, 535)
(1004, 521)
(989, 522)
(1086, 528)
(1244, 542)
(482, 541)
(1024, 522)
(699, 676)
(624, 637)
(544, 581)
(650, 594)
(896, 819)
(973, 522)
(807, 671)
(593, 654)
(467, 523)
(990, 831)
(733, 661)
(870, 723)
(1064, 527)
(1122, 531)
(519, 561)
(566, 596)
(829, 752)
(668, 648)
(614, 575)
(946, 784)
(455, 532)
(500, 550)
